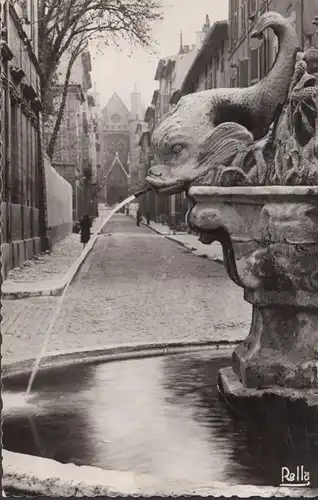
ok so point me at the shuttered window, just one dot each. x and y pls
(262, 60)
(206, 77)
(252, 5)
(234, 21)
(244, 73)
(243, 19)
(254, 65)
(222, 56)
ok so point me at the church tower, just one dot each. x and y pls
(135, 105)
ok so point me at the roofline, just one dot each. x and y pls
(115, 93)
(218, 28)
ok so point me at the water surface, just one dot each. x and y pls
(160, 416)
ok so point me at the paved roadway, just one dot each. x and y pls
(135, 286)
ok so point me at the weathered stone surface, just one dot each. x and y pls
(42, 476)
(271, 251)
(50, 478)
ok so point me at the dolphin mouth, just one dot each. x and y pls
(165, 187)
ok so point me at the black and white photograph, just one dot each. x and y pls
(159, 248)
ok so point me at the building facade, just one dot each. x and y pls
(23, 178)
(75, 156)
(210, 66)
(250, 59)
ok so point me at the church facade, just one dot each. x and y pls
(114, 174)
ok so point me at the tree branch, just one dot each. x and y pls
(77, 51)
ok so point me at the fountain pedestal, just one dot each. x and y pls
(269, 237)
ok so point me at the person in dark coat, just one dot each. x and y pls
(85, 225)
(148, 218)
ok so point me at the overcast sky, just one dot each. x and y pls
(117, 70)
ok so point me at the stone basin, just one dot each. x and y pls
(156, 419)
(269, 236)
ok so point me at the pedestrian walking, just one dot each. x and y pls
(85, 225)
(138, 217)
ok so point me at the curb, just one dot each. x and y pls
(49, 290)
(55, 290)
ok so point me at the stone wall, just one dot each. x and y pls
(59, 204)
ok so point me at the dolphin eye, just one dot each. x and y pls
(176, 149)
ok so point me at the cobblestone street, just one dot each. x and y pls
(135, 286)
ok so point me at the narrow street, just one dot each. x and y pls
(135, 286)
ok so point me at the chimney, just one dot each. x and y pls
(201, 35)
(181, 49)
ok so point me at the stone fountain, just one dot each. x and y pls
(248, 160)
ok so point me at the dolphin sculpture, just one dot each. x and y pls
(213, 126)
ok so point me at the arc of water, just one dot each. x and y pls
(61, 298)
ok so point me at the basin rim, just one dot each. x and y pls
(44, 476)
(255, 194)
(116, 352)
(21, 470)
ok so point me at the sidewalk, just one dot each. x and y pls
(189, 241)
(48, 273)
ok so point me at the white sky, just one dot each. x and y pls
(117, 70)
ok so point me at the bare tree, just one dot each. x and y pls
(67, 26)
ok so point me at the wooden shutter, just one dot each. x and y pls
(244, 73)
(254, 64)
(262, 60)
(251, 7)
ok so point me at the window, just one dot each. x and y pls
(33, 23)
(254, 65)
(14, 152)
(206, 71)
(234, 21)
(243, 73)
(236, 27)
(243, 18)
(222, 49)
(262, 60)
(4, 121)
(210, 80)
(252, 7)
